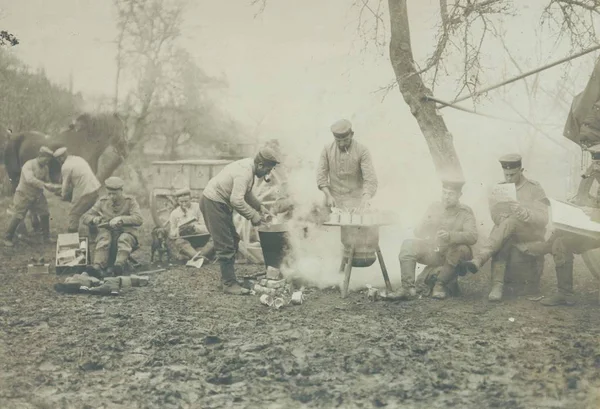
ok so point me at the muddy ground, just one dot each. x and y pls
(180, 343)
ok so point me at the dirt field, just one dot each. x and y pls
(180, 343)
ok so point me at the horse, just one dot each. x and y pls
(88, 136)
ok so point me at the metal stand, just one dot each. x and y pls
(346, 268)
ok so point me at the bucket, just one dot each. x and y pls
(275, 244)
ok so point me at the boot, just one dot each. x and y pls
(10, 232)
(473, 265)
(45, 222)
(230, 285)
(564, 278)
(445, 275)
(407, 271)
(120, 262)
(498, 272)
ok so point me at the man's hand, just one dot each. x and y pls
(256, 219)
(329, 200)
(519, 211)
(97, 220)
(115, 222)
(443, 235)
(364, 204)
(589, 211)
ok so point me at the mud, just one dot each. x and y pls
(180, 343)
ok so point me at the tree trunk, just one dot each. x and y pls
(412, 88)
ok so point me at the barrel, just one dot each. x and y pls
(275, 244)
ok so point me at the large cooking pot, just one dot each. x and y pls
(365, 240)
(275, 244)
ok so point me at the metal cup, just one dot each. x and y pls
(297, 297)
(345, 218)
(266, 299)
(278, 303)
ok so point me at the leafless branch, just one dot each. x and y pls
(262, 4)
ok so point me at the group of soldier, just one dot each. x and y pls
(346, 176)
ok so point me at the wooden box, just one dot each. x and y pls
(72, 253)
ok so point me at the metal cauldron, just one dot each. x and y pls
(275, 244)
(365, 240)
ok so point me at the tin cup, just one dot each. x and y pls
(266, 299)
(278, 303)
(345, 218)
(334, 218)
(373, 294)
(297, 297)
(356, 218)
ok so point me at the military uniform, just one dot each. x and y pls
(526, 226)
(564, 245)
(79, 185)
(426, 248)
(128, 211)
(29, 195)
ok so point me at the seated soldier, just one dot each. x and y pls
(523, 221)
(444, 238)
(117, 216)
(564, 245)
(186, 220)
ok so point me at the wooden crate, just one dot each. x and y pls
(68, 247)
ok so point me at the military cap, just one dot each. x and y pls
(45, 151)
(453, 184)
(114, 183)
(60, 151)
(267, 154)
(595, 151)
(183, 192)
(341, 128)
(511, 161)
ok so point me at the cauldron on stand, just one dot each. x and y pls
(275, 244)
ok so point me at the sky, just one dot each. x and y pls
(298, 66)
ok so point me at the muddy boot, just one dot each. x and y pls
(446, 274)
(564, 278)
(45, 222)
(407, 271)
(235, 289)
(498, 272)
(10, 232)
(230, 285)
(120, 262)
(473, 265)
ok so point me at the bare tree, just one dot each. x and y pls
(8, 39)
(465, 28)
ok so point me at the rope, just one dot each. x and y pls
(526, 74)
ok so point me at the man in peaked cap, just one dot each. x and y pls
(443, 240)
(79, 185)
(118, 217)
(186, 219)
(30, 195)
(229, 190)
(564, 245)
(520, 222)
(345, 173)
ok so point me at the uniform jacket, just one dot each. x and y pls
(78, 178)
(128, 208)
(33, 178)
(458, 221)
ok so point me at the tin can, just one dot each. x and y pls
(278, 303)
(356, 218)
(297, 297)
(373, 294)
(266, 299)
(345, 218)
(334, 218)
(263, 290)
(275, 283)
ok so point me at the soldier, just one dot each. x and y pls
(345, 172)
(591, 174)
(514, 222)
(186, 216)
(79, 185)
(444, 238)
(118, 216)
(231, 190)
(30, 195)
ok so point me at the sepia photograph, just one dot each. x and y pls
(280, 204)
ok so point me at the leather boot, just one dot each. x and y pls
(564, 278)
(498, 272)
(120, 262)
(407, 271)
(445, 275)
(10, 232)
(230, 285)
(45, 222)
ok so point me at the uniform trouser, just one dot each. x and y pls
(423, 252)
(218, 218)
(126, 242)
(182, 249)
(36, 204)
(510, 228)
(79, 208)
(564, 246)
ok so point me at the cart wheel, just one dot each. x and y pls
(592, 261)
(161, 206)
